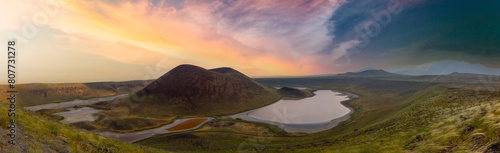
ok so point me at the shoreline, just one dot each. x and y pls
(307, 128)
(128, 137)
(292, 128)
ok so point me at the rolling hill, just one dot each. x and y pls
(192, 90)
(42, 93)
(295, 93)
(186, 91)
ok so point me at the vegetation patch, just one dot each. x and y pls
(187, 124)
(294, 93)
(49, 113)
(126, 125)
(89, 126)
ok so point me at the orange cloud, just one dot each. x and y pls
(189, 35)
(157, 30)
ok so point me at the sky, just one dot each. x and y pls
(117, 40)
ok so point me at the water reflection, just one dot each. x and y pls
(80, 114)
(321, 108)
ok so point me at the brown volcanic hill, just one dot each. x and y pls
(192, 90)
(294, 93)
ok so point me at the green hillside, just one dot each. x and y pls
(35, 133)
(402, 114)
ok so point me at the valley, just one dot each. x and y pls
(386, 112)
(76, 114)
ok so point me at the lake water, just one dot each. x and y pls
(90, 114)
(321, 108)
(77, 115)
(308, 115)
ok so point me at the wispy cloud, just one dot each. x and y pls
(259, 37)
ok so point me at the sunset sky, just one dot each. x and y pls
(116, 40)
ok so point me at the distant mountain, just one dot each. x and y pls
(444, 67)
(192, 90)
(365, 69)
(370, 73)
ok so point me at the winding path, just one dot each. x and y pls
(140, 135)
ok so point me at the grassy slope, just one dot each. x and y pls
(397, 114)
(390, 115)
(439, 120)
(372, 107)
(39, 134)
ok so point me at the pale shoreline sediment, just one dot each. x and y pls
(144, 134)
(302, 128)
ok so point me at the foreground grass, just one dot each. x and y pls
(439, 120)
(39, 132)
